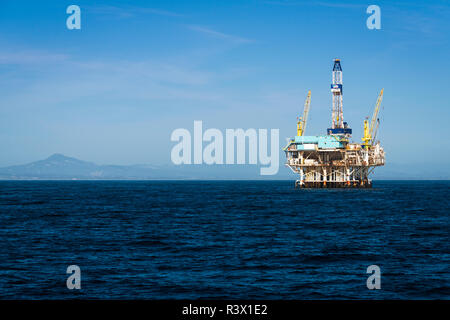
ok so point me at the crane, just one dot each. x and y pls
(375, 131)
(375, 116)
(301, 123)
(370, 132)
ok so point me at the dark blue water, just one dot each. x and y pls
(223, 239)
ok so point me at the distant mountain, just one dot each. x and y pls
(59, 167)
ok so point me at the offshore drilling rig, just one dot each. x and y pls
(331, 160)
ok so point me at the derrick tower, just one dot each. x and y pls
(338, 126)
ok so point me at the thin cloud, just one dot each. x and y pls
(147, 80)
(311, 3)
(31, 57)
(129, 12)
(427, 26)
(219, 35)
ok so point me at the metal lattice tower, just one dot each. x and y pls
(336, 89)
(338, 126)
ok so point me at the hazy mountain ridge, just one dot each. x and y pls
(61, 167)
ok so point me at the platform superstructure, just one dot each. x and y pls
(331, 160)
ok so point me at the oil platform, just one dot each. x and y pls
(331, 160)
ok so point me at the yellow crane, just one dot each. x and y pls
(371, 131)
(301, 123)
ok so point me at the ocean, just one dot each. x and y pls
(223, 240)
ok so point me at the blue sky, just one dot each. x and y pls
(114, 91)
